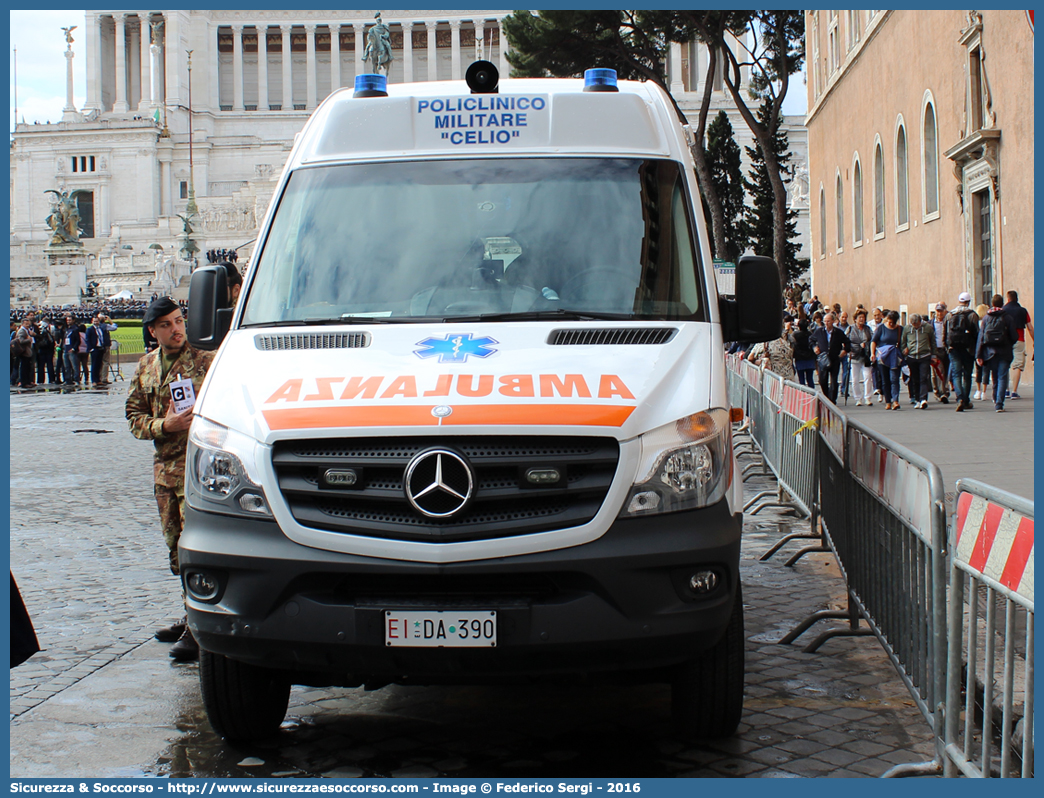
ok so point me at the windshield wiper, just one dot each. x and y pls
(537, 315)
(345, 321)
(294, 323)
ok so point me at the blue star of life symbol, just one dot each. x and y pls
(455, 347)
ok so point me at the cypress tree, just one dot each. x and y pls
(723, 158)
(758, 213)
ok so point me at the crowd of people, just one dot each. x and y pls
(72, 347)
(867, 354)
(87, 310)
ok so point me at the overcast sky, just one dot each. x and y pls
(38, 38)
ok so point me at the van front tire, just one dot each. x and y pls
(707, 692)
(243, 702)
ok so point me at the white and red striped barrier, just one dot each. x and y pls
(894, 480)
(801, 404)
(995, 542)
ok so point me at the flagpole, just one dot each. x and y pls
(15, 89)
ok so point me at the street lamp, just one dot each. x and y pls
(191, 207)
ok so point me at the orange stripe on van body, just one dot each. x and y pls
(421, 416)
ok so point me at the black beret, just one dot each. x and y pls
(161, 307)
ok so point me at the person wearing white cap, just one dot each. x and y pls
(962, 330)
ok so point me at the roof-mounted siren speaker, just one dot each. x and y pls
(600, 80)
(482, 77)
(371, 85)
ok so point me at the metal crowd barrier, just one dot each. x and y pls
(781, 422)
(734, 385)
(992, 558)
(882, 515)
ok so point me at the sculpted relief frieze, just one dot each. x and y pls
(239, 218)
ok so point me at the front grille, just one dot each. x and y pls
(295, 341)
(503, 504)
(612, 336)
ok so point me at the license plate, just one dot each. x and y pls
(440, 628)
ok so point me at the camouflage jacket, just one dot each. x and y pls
(147, 405)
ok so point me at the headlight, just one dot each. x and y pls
(219, 479)
(685, 465)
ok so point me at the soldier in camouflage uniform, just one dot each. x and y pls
(151, 416)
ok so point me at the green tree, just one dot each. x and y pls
(772, 49)
(768, 45)
(635, 44)
(723, 158)
(760, 214)
(565, 43)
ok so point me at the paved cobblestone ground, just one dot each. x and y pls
(104, 700)
(83, 537)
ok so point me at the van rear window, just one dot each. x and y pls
(422, 240)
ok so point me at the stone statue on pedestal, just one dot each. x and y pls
(378, 46)
(64, 219)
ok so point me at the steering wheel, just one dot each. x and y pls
(569, 286)
(467, 307)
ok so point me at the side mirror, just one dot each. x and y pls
(756, 314)
(209, 315)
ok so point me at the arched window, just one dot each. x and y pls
(840, 215)
(902, 194)
(879, 191)
(931, 163)
(822, 222)
(857, 203)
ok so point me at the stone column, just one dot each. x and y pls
(407, 52)
(120, 106)
(174, 72)
(262, 67)
(505, 67)
(310, 67)
(433, 56)
(237, 67)
(133, 64)
(159, 71)
(335, 56)
(94, 79)
(677, 80)
(455, 73)
(288, 80)
(360, 45)
(165, 186)
(69, 112)
(145, 104)
(209, 66)
(156, 52)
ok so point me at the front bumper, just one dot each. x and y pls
(620, 602)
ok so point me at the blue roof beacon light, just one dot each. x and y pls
(371, 86)
(600, 80)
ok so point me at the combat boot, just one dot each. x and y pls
(186, 649)
(168, 634)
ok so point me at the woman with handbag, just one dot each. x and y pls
(884, 352)
(860, 336)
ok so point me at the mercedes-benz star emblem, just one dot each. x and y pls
(439, 483)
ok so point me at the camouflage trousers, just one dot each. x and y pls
(171, 504)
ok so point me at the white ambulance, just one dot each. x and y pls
(468, 419)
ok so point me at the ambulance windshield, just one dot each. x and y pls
(422, 240)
